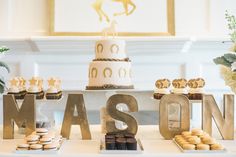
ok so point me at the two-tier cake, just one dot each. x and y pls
(111, 69)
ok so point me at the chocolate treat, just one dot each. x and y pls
(158, 95)
(109, 136)
(119, 136)
(195, 96)
(18, 95)
(120, 143)
(51, 96)
(39, 95)
(131, 144)
(129, 135)
(110, 144)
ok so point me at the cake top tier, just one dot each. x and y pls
(110, 49)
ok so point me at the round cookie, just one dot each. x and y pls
(203, 147)
(22, 146)
(194, 140)
(45, 140)
(41, 131)
(217, 146)
(51, 146)
(32, 139)
(36, 147)
(197, 132)
(186, 133)
(208, 140)
(188, 147)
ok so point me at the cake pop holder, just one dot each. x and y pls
(199, 151)
(103, 150)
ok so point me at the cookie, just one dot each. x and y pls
(32, 139)
(208, 140)
(186, 133)
(36, 147)
(203, 147)
(197, 132)
(45, 140)
(217, 146)
(52, 146)
(189, 147)
(22, 146)
(194, 140)
(41, 131)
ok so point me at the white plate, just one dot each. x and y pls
(138, 151)
(41, 151)
(198, 151)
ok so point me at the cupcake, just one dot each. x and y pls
(196, 88)
(54, 89)
(22, 86)
(36, 87)
(179, 86)
(17, 87)
(162, 86)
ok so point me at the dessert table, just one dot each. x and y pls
(154, 145)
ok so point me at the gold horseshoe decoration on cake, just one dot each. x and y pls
(124, 72)
(99, 48)
(94, 72)
(105, 70)
(114, 48)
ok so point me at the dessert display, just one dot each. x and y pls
(162, 86)
(36, 87)
(197, 140)
(17, 87)
(120, 141)
(40, 140)
(111, 68)
(54, 89)
(179, 86)
(196, 88)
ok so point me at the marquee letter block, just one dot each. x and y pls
(75, 101)
(131, 122)
(184, 117)
(12, 113)
(225, 122)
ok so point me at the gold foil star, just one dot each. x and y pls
(33, 81)
(182, 83)
(166, 83)
(52, 82)
(200, 82)
(14, 82)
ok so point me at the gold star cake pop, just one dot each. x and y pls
(36, 87)
(54, 88)
(196, 88)
(162, 86)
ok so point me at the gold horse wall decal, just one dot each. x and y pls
(126, 3)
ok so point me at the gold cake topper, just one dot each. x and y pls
(126, 4)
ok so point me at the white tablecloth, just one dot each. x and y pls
(153, 143)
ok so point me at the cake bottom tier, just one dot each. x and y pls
(109, 75)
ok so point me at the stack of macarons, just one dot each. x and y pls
(197, 139)
(41, 139)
